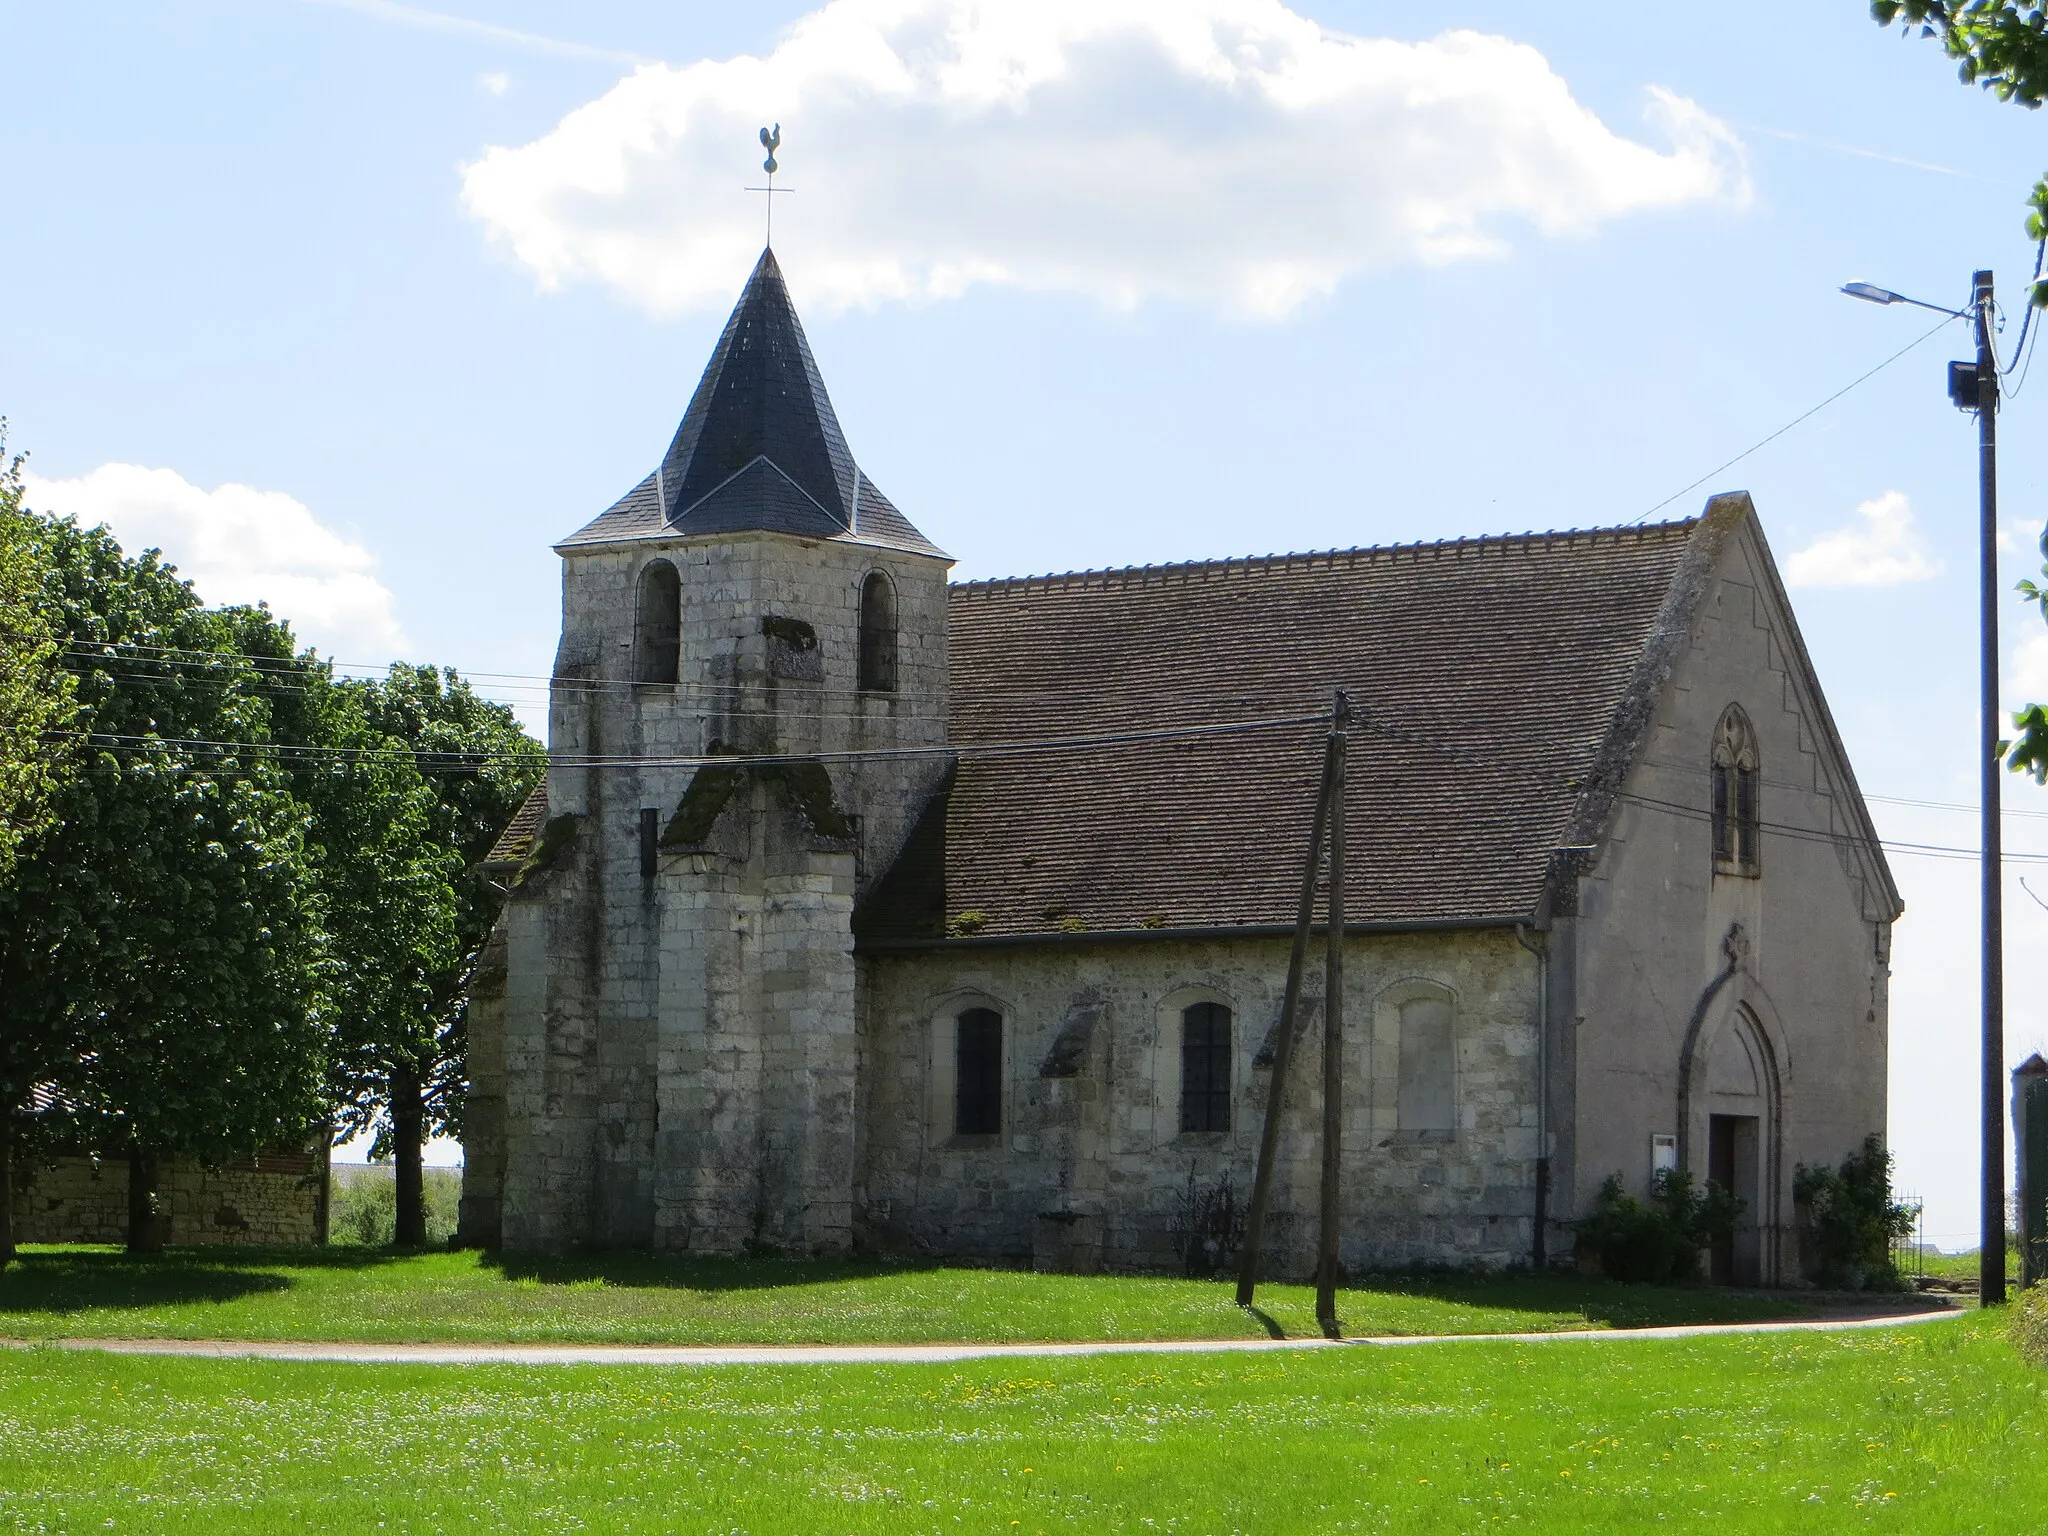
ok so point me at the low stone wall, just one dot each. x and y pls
(278, 1198)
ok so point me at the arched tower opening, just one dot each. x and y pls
(877, 634)
(658, 624)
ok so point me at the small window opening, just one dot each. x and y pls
(650, 840)
(1426, 1093)
(1205, 1067)
(658, 626)
(978, 1073)
(1737, 813)
(878, 634)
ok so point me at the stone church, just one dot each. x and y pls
(865, 912)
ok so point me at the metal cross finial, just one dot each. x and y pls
(771, 140)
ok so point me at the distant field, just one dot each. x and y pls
(364, 1212)
(364, 1294)
(1955, 1266)
(1936, 1427)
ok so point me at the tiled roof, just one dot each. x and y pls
(760, 446)
(1488, 674)
(636, 516)
(516, 841)
(761, 395)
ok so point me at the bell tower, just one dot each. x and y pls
(749, 707)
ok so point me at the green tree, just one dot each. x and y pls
(401, 1068)
(2001, 45)
(34, 688)
(387, 901)
(35, 705)
(159, 958)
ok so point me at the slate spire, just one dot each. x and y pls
(760, 446)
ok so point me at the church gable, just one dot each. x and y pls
(1743, 667)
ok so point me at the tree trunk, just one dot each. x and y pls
(407, 1119)
(6, 1186)
(145, 1220)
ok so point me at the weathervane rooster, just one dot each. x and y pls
(771, 140)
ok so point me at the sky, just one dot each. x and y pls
(356, 307)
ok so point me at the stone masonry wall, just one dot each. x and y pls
(757, 1054)
(277, 1199)
(1093, 1168)
(601, 974)
(481, 1220)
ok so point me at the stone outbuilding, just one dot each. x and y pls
(864, 911)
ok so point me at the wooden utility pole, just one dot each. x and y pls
(1283, 1042)
(1333, 1034)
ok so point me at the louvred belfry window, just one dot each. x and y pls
(1205, 1067)
(1737, 807)
(978, 1073)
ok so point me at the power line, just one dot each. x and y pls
(1794, 785)
(1819, 835)
(719, 760)
(1795, 421)
(435, 760)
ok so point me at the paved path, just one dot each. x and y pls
(891, 1354)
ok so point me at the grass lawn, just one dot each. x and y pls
(364, 1295)
(1934, 1427)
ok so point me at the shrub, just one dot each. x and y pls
(364, 1213)
(1851, 1220)
(1208, 1226)
(1658, 1240)
(2029, 1324)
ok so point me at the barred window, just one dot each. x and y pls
(978, 1073)
(1205, 1067)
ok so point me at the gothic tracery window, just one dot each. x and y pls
(1737, 814)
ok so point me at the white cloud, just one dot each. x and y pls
(237, 544)
(1884, 549)
(1230, 152)
(496, 81)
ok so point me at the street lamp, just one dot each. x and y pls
(1974, 387)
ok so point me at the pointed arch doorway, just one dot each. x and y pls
(1734, 1119)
